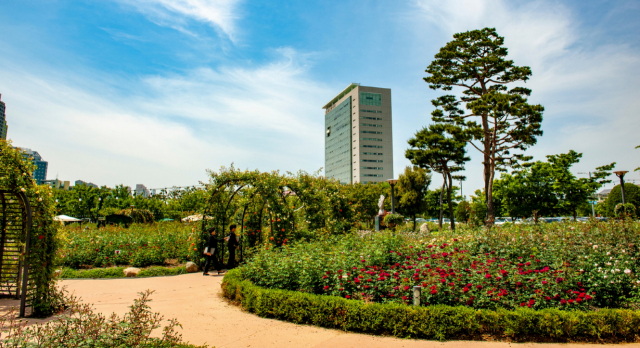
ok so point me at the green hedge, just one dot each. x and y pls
(117, 272)
(433, 322)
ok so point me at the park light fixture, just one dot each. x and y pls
(591, 202)
(620, 174)
(392, 182)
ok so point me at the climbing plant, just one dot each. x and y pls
(16, 174)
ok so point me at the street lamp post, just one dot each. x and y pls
(621, 174)
(392, 182)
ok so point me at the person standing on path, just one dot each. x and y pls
(210, 252)
(232, 244)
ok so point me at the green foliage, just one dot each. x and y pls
(463, 211)
(495, 119)
(117, 272)
(548, 188)
(432, 322)
(439, 148)
(568, 265)
(631, 195)
(139, 245)
(411, 191)
(81, 327)
(625, 210)
(393, 219)
(16, 174)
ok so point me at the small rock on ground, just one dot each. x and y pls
(131, 272)
(191, 267)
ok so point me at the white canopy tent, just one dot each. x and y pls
(66, 218)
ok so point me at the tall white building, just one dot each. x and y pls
(358, 139)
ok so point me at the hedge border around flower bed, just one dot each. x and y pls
(437, 322)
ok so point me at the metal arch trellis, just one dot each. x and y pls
(15, 236)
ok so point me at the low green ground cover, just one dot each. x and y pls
(569, 266)
(140, 245)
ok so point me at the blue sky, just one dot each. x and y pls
(158, 91)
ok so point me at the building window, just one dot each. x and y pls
(371, 139)
(374, 99)
(371, 111)
(374, 175)
(371, 118)
(374, 168)
(374, 146)
(372, 153)
(370, 132)
(370, 125)
(368, 160)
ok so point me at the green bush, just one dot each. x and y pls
(432, 322)
(117, 272)
(393, 219)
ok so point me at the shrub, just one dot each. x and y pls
(393, 219)
(81, 327)
(117, 272)
(433, 322)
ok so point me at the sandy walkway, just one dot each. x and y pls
(194, 300)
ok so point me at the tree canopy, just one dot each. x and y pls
(497, 120)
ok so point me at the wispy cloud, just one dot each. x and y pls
(166, 130)
(177, 14)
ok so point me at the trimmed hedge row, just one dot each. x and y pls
(433, 322)
(118, 272)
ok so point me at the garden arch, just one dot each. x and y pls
(15, 235)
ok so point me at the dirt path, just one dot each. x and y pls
(195, 301)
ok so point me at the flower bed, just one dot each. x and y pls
(563, 266)
(140, 245)
(433, 322)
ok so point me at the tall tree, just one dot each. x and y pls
(497, 120)
(412, 188)
(439, 148)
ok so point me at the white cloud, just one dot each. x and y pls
(166, 130)
(587, 88)
(220, 14)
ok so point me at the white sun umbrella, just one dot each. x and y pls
(196, 217)
(66, 218)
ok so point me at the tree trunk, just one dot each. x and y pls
(441, 193)
(449, 189)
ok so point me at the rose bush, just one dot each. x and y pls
(568, 266)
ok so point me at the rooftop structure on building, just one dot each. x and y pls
(358, 135)
(3, 119)
(40, 173)
(90, 184)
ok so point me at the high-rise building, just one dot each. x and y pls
(3, 120)
(358, 140)
(40, 173)
(142, 190)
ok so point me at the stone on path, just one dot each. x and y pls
(191, 267)
(131, 272)
(424, 228)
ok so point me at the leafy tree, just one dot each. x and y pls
(363, 199)
(463, 211)
(571, 191)
(631, 195)
(498, 120)
(439, 148)
(412, 188)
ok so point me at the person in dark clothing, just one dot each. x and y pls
(232, 243)
(210, 252)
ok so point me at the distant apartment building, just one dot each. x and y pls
(40, 173)
(58, 184)
(358, 139)
(142, 190)
(3, 119)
